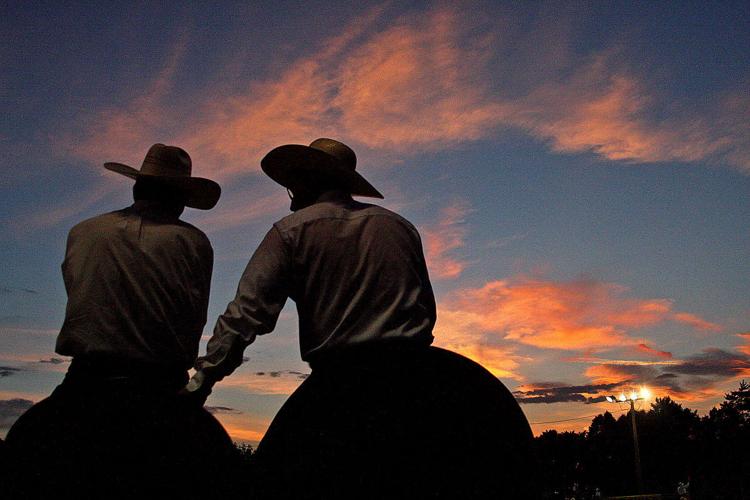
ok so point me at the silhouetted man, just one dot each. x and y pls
(138, 283)
(383, 414)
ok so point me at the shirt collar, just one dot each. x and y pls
(334, 196)
(152, 208)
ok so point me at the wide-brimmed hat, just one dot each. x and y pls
(333, 161)
(172, 165)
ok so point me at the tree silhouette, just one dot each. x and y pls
(726, 444)
(676, 446)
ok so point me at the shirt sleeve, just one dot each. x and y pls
(261, 294)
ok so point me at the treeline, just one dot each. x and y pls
(676, 445)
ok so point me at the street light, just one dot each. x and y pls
(634, 396)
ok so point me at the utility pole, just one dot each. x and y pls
(636, 450)
(634, 396)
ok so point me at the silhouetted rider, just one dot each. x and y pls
(356, 271)
(383, 413)
(138, 282)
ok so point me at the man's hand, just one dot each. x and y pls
(197, 389)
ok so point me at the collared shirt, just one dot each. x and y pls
(356, 272)
(138, 282)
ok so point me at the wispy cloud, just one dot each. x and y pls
(6, 290)
(123, 132)
(424, 82)
(239, 209)
(745, 348)
(443, 238)
(54, 361)
(216, 410)
(455, 330)
(624, 362)
(645, 348)
(277, 382)
(604, 108)
(552, 392)
(7, 371)
(59, 212)
(696, 322)
(415, 85)
(572, 315)
(695, 378)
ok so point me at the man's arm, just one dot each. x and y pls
(261, 294)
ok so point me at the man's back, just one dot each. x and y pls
(357, 275)
(138, 283)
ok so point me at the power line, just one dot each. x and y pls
(571, 419)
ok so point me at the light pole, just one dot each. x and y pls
(634, 396)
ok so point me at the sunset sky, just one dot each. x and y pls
(579, 173)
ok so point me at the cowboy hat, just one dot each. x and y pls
(173, 166)
(327, 159)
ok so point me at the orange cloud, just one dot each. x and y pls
(410, 86)
(243, 427)
(238, 209)
(607, 374)
(626, 381)
(745, 348)
(442, 238)
(696, 322)
(425, 82)
(124, 133)
(454, 330)
(645, 348)
(605, 109)
(415, 85)
(231, 135)
(695, 378)
(582, 314)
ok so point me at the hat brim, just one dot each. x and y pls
(290, 164)
(200, 193)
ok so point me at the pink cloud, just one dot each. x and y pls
(124, 133)
(746, 347)
(628, 381)
(454, 330)
(696, 322)
(696, 377)
(421, 83)
(442, 239)
(238, 209)
(581, 314)
(604, 108)
(645, 348)
(414, 85)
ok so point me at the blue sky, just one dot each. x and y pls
(578, 171)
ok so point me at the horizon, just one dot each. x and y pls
(579, 174)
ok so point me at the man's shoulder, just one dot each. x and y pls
(98, 223)
(196, 234)
(171, 228)
(353, 210)
(112, 222)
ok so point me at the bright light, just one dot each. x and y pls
(645, 393)
(633, 396)
(609, 399)
(622, 397)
